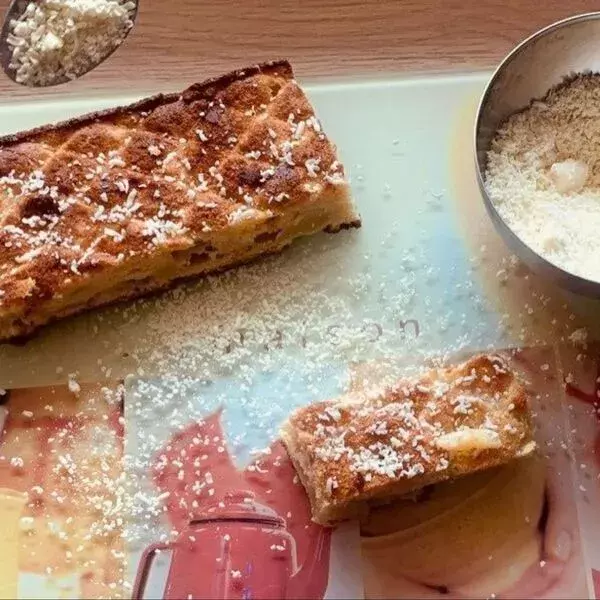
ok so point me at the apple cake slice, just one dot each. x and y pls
(117, 204)
(362, 448)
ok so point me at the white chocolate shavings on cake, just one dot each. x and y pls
(543, 176)
(55, 40)
(404, 439)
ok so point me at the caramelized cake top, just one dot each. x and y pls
(85, 195)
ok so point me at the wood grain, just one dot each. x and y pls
(176, 42)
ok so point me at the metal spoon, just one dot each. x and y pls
(15, 9)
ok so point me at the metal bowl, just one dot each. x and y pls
(528, 72)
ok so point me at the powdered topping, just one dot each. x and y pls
(544, 176)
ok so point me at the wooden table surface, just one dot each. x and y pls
(175, 42)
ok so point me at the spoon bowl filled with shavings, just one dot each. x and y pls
(52, 42)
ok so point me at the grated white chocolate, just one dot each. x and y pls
(57, 39)
(543, 175)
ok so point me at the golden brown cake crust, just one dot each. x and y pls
(122, 202)
(205, 89)
(450, 422)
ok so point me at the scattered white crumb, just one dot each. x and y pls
(73, 384)
(579, 336)
(16, 462)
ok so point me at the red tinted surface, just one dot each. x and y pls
(592, 398)
(195, 467)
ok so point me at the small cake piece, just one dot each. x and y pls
(451, 422)
(118, 204)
